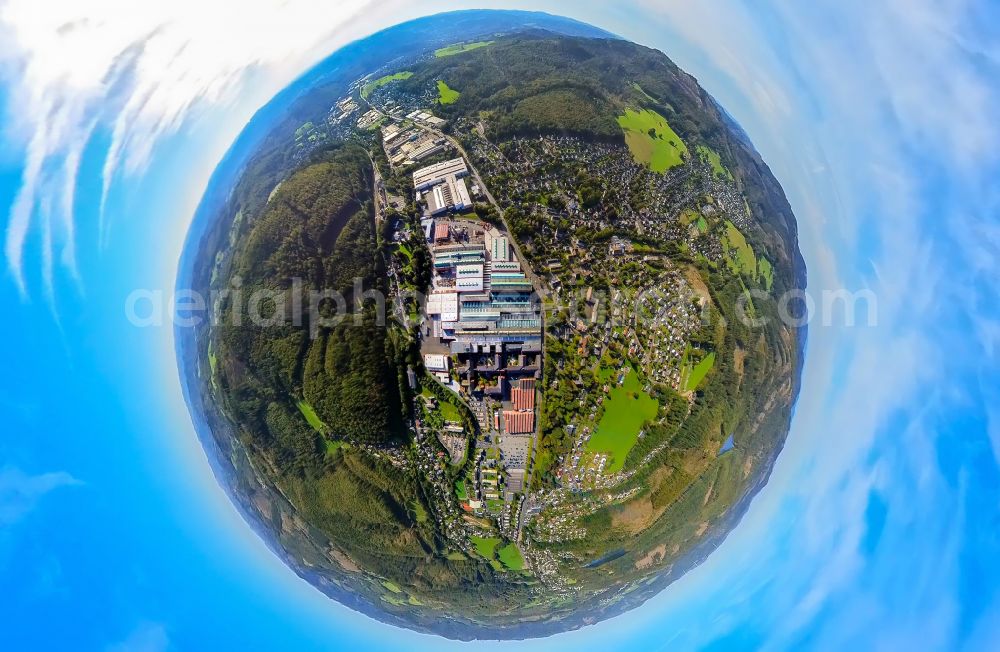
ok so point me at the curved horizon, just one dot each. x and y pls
(874, 525)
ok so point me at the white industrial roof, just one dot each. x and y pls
(436, 362)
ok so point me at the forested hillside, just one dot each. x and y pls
(316, 232)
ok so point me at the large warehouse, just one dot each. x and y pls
(442, 186)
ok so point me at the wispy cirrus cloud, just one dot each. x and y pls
(132, 72)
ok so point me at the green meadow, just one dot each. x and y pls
(625, 410)
(459, 48)
(486, 546)
(741, 257)
(698, 372)
(712, 156)
(651, 140)
(310, 414)
(766, 272)
(370, 87)
(449, 412)
(511, 557)
(446, 95)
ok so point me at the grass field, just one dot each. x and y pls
(699, 371)
(712, 156)
(461, 491)
(392, 587)
(741, 257)
(459, 48)
(370, 87)
(449, 412)
(486, 546)
(766, 272)
(310, 414)
(651, 140)
(702, 224)
(446, 95)
(334, 446)
(751, 309)
(511, 557)
(689, 215)
(642, 91)
(419, 513)
(403, 249)
(625, 410)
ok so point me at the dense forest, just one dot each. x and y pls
(316, 233)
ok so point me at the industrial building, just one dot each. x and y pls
(481, 305)
(498, 245)
(442, 186)
(483, 319)
(406, 146)
(523, 396)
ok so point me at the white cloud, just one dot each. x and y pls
(21, 492)
(136, 71)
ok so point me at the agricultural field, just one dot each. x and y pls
(459, 48)
(651, 140)
(446, 95)
(627, 408)
(370, 87)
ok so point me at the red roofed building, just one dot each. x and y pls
(523, 396)
(440, 232)
(518, 423)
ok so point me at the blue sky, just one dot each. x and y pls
(879, 527)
